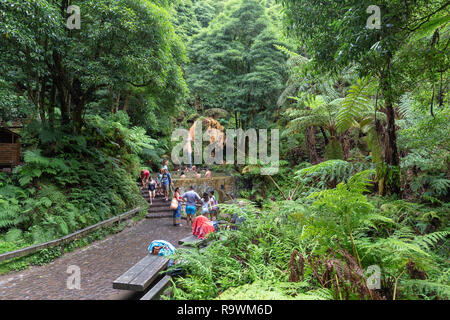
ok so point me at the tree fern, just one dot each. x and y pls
(356, 103)
(428, 288)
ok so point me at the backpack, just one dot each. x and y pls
(161, 248)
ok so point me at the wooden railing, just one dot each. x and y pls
(73, 236)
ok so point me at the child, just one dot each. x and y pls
(151, 189)
(158, 182)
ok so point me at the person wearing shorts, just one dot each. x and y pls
(192, 198)
(158, 183)
(145, 174)
(166, 181)
(151, 189)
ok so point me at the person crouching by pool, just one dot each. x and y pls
(177, 212)
(191, 200)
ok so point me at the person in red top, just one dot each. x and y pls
(145, 175)
(202, 227)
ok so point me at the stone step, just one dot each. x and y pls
(160, 210)
(159, 215)
(156, 210)
(159, 204)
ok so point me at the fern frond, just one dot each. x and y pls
(355, 104)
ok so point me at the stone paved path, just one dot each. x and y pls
(100, 264)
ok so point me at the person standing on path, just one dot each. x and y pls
(177, 211)
(151, 189)
(205, 204)
(166, 181)
(158, 183)
(191, 200)
(214, 209)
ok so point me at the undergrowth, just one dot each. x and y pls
(324, 245)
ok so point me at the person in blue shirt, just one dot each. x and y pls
(166, 181)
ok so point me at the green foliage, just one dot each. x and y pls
(45, 256)
(355, 105)
(256, 261)
(333, 150)
(123, 46)
(260, 290)
(328, 173)
(237, 50)
(63, 189)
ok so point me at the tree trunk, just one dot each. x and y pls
(78, 101)
(125, 104)
(41, 100)
(311, 145)
(51, 107)
(390, 153)
(117, 101)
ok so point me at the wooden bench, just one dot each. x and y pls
(155, 292)
(146, 273)
(192, 241)
(142, 274)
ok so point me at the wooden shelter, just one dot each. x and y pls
(9, 148)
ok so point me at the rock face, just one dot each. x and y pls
(224, 186)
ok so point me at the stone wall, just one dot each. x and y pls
(224, 186)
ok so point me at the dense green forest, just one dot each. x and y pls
(363, 115)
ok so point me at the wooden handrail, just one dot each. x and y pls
(28, 250)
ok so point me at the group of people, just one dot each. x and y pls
(161, 186)
(209, 205)
(197, 172)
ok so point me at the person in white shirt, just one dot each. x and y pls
(205, 204)
(214, 209)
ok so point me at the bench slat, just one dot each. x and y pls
(123, 281)
(155, 292)
(148, 275)
(190, 240)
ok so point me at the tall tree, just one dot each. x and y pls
(235, 65)
(121, 45)
(337, 34)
